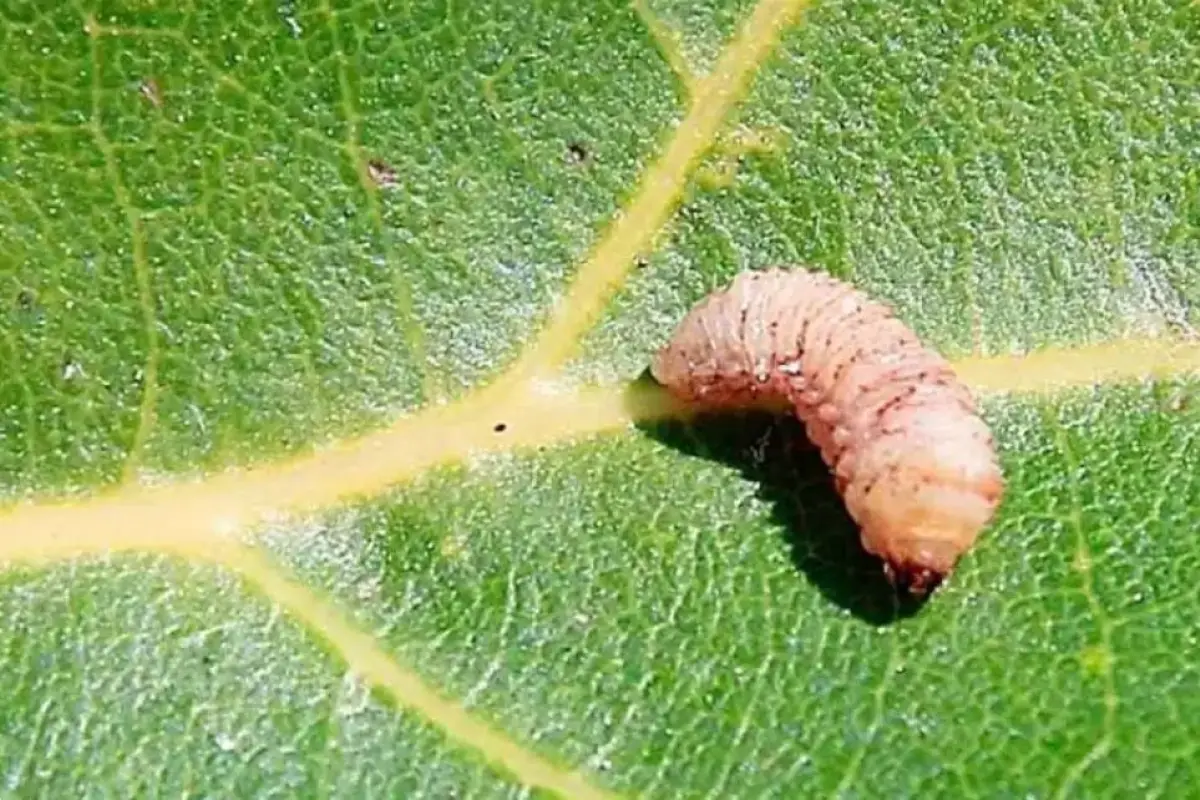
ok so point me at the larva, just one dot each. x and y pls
(910, 456)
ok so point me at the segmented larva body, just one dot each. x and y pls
(911, 457)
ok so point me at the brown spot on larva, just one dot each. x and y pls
(500, 427)
(841, 368)
(882, 411)
(150, 90)
(382, 174)
(578, 154)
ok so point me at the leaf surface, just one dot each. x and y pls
(241, 244)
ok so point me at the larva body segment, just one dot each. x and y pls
(912, 459)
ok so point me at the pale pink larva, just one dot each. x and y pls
(911, 457)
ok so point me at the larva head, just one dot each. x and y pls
(923, 573)
(921, 527)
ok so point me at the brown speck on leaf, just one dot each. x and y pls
(578, 154)
(151, 91)
(641, 262)
(382, 174)
(500, 427)
(1178, 402)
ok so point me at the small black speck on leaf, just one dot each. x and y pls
(578, 154)
(500, 427)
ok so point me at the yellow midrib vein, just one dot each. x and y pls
(533, 414)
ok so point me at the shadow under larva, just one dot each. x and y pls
(773, 451)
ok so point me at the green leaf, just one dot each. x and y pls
(145, 678)
(688, 612)
(241, 242)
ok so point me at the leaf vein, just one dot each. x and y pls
(365, 656)
(141, 267)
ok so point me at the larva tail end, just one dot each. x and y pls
(918, 581)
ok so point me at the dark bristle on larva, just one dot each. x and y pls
(911, 457)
